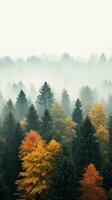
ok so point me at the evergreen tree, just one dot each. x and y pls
(9, 108)
(86, 148)
(62, 182)
(33, 121)
(77, 114)
(65, 102)
(45, 98)
(13, 136)
(47, 126)
(21, 105)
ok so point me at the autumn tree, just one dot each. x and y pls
(37, 167)
(63, 126)
(65, 102)
(91, 185)
(97, 115)
(45, 98)
(32, 118)
(21, 105)
(77, 115)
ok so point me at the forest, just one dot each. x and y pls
(53, 149)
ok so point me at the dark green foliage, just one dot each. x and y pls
(77, 114)
(33, 121)
(86, 148)
(13, 135)
(21, 105)
(66, 102)
(63, 181)
(47, 126)
(8, 108)
(45, 98)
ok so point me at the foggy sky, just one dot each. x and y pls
(80, 27)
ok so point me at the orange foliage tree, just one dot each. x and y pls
(91, 185)
(37, 164)
(30, 142)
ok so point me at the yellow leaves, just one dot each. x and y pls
(103, 133)
(37, 165)
(97, 115)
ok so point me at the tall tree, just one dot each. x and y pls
(37, 168)
(97, 115)
(8, 108)
(47, 126)
(91, 185)
(13, 136)
(32, 118)
(65, 102)
(45, 98)
(21, 105)
(77, 115)
(86, 148)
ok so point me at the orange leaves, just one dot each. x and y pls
(31, 141)
(37, 164)
(91, 185)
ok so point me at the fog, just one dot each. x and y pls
(60, 72)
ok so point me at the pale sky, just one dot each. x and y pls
(80, 27)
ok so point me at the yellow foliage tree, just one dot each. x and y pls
(97, 115)
(63, 125)
(37, 167)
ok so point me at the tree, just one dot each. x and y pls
(65, 102)
(30, 142)
(86, 148)
(21, 105)
(47, 126)
(62, 180)
(91, 185)
(63, 127)
(97, 115)
(87, 99)
(77, 115)
(37, 167)
(8, 108)
(13, 136)
(32, 118)
(45, 98)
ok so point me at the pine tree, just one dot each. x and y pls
(47, 126)
(91, 185)
(8, 108)
(45, 98)
(86, 148)
(21, 105)
(13, 136)
(33, 122)
(77, 114)
(65, 102)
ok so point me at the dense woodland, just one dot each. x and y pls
(56, 150)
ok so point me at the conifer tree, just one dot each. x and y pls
(47, 126)
(65, 102)
(91, 185)
(86, 148)
(8, 108)
(21, 105)
(33, 122)
(45, 98)
(13, 136)
(77, 114)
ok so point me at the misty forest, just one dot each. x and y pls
(56, 128)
